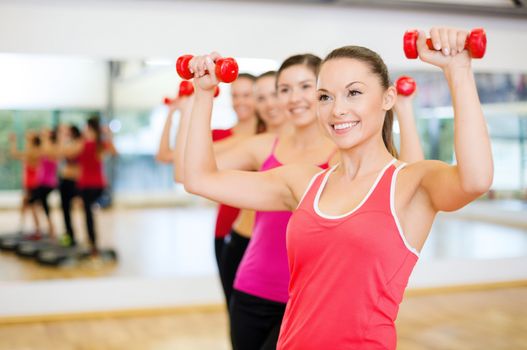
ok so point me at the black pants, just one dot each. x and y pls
(40, 196)
(255, 322)
(89, 197)
(231, 256)
(219, 242)
(68, 191)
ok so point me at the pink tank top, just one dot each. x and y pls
(47, 173)
(263, 271)
(348, 272)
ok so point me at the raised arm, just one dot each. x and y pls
(14, 152)
(410, 149)
(235, 152)
(165, 154)
(452, 187)
(109, 146)
(254, 190)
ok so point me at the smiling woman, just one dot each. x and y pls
(334, 255)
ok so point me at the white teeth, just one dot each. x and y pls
(344, 125)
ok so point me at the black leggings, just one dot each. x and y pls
(40, 195)
(89, 197)
(255, 322)
(68, 191)
(231, 256)
(219, 242)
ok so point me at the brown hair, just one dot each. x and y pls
(270, 73)
(246, 76)
(378, 67)
(94, 123)
(310, 61)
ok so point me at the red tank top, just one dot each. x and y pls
(226, 214)
(91, 167)
(30, 177)
(348, 272)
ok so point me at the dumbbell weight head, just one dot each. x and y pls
(182, 67)
(405, 85)
(226, 69)
(186, 88)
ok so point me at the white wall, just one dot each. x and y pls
(49, 82)
(135, 29)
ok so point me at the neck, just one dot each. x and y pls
(308, 135)
(364, 159)
(274, 129)
(245, 127)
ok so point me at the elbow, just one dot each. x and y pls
(479, 186)
(178, 177)
(163, 158)
(191, 186)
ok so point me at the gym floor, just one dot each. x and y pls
(473, 320)
(175, 243)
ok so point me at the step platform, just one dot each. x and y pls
(10, 242)
(55, 255)
(30, 248)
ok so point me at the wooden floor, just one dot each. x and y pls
(491, 319)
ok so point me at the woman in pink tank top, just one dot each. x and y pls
(47, 175)
(357, 228)
(261, 285)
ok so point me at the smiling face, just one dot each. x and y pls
(267, 103)
(352, 102)
(243, 98)
(297, 94)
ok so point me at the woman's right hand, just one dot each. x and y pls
(203, 68)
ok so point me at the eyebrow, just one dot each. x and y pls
(301, 82)
(347, 86)
(354, 82)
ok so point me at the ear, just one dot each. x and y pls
(389, 98)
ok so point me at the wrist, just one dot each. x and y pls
(454, 73)
(201, 93)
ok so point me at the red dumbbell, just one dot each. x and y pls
(475, 44)
(226, 68)
(186, 88)
(405, 85)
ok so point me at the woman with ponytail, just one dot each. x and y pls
(356, 228)
(92, 181)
